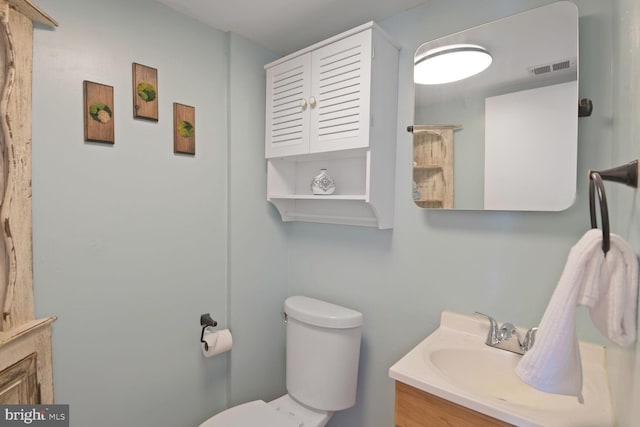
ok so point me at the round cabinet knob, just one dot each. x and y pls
(312, 101)
(303, 104)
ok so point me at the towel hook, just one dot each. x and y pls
(625, 174)
(595, 182)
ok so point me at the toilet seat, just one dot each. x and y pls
(257, 413)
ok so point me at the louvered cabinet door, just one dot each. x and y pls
(287, 118)
(340, 94)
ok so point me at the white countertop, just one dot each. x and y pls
(454, 363)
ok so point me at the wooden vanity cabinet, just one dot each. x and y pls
(416, 408)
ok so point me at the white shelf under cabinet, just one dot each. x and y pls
(316, 197)
(329, 211)
(355, 201)
(360, 157)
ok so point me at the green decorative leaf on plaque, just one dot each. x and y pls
(100, 112)
(185, 129)
(146, 91)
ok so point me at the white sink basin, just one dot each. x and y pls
(455, 364)
(481, 371)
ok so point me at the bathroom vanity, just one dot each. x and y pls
(452, 378)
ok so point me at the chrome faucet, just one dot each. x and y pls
(506, 337)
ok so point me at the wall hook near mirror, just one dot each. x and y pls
(625, 174)
(585, 107)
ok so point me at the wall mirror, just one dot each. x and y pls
(505, 138)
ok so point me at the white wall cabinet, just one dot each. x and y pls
(334, 106)
(319, 101)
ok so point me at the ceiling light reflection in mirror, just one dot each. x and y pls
(450, 63)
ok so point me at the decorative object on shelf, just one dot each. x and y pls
(416, 193)
(145, 92)
(184, 129)
(323, 184)
(98, 112)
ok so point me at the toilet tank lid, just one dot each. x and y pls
(321, 313)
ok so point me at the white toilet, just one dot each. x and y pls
(323, 350)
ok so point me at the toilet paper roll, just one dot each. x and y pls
(218, 341)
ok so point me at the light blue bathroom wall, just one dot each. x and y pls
(258, 240)
(130, 239)
(502, 264)
(623, 365)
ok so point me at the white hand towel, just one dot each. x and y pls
(608, 285)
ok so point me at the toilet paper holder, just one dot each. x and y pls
(206, 321)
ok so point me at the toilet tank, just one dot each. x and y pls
(323, 351)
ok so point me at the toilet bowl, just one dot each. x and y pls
(323, 351)
(282, 412)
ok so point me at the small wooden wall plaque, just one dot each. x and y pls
(184, 129)
(98, 112)
(145, 92)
